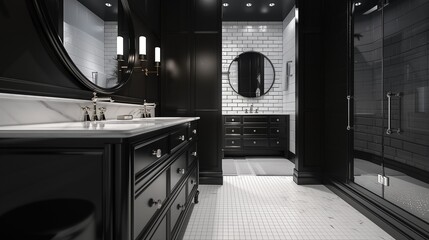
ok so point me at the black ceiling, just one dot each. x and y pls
(101, 10)
(259, 11)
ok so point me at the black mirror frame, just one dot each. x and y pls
(272, 65)
(55, 41)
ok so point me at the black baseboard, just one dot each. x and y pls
(211, 178)
(398, 226)
(305, 178)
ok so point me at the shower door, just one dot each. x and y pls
(391, 102)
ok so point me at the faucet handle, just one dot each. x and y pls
(86, 117)
(102, 115)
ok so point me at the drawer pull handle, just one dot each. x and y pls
(156, 203)
(232, 130)
(232, 142)
(254, 130)
(194, 131)
(278, 130)
(278, 142)
(194, 154)
(278, 120)
(157, 153)
(181, 207)
(182, 138)
(190, 139)
(254, 142)
(181, 171)
(233, 120)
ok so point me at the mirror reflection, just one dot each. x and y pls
(92, 36)
(251, 74)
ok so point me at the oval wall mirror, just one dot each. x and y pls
(251, 74)
(93, 38)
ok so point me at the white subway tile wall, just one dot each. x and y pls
(110, 62)
(263, 37)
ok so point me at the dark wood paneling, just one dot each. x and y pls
(309, 80)
(209, 144)
(191, 36)
(207, 15)
(176, 92)
(207, 87)
(176, 16)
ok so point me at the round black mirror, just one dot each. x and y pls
(251, 74)
(93, 38)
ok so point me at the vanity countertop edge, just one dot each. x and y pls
(101, 129)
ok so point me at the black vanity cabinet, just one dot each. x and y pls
(141, 187)
(256, 135)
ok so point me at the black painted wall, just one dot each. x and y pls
(191, 74)
(309, 93)
(337, 73)
(29, 65)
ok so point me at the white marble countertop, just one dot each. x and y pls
(101, 129)
(255, 114)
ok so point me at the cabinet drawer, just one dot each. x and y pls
(192, 181)
(255, 131)
(161, 232)
(192, 154)
(278, 143)
(177, 170)
(232, 142)
(193, 131)
(232, 130)
(177, 208)
(254, 119)
(233, 119)
(148, 153)
(255, 142)
(178, 137)
(148, 202)
(277, 119)
(277, 131)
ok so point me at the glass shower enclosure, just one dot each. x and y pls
(390, 102)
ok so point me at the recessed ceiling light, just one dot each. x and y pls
(248, 4)
(108, 4)
(357, 4)
(272, 4)
(225, 4)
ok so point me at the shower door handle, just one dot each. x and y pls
(349, 127)
(389, 113)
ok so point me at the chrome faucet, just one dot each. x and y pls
(251, 108)
(96, 99)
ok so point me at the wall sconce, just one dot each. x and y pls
(120, 48)
(142, 56)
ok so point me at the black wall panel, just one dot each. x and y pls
(207, 77)
(309, 96)
(191, 84)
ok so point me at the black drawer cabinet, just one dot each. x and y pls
(149, 152)
(139, 186)
(148, 202)
(252, 135)
(178, 170)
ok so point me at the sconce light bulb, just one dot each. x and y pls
(142, 45)
(157, 54)
(120, 45)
